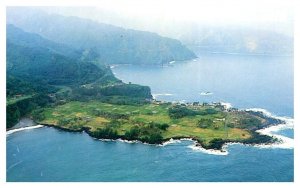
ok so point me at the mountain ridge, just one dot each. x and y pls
(108, 44)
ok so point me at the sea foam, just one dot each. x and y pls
(283, 143)
(23, 128)
(208, 151)
(171, 141)
(227, 105)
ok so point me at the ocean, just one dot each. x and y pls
(264, 82)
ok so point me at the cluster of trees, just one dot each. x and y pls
(144, 134)
(17, 85)
(151, 133)
(23, 107)
(269, 121)
(216, 143)
(130, 90)
(105, 133)
(110, 115)
(179, 111)
(133, 133)
(162, 126)
(257, 138)
(205, 123)
(124, 100)
(12, 115)
(117, 93)
(152, 138)
(251, 123)
(38, 114)
(76, 122)
(208, 111)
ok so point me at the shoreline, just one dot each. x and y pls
(279, 142)
(196, 146)
(11, 131)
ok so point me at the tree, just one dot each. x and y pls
(205, 123)
(132, 134)
(106, 133)
(63, 121)
(38, 115)
(177, 112)
(162, 126)
(155, 138)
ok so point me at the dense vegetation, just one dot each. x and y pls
(18, 36)
(152, 123)
(19, 108)
(34, 61)
(66, 84)
(180, 111)
(42, 73)
(107, 43)
(23, 97)
(16, 86)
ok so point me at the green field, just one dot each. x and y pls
(12, 100)
(145, 122)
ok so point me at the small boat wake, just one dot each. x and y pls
(206, 93)
(13, 165)
(161, 94)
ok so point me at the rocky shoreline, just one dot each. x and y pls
(216, 144)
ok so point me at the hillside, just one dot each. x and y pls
(106, 43)
(32, 58)
(42, 73)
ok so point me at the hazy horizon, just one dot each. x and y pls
(210, 80)
(243, 28)
(173, 19)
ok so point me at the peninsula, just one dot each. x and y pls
(62, 83)
(211, 125)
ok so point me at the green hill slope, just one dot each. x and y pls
(107, 43)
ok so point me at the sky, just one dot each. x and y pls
(164, 15)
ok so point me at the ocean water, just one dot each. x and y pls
(244, 81)
(47, 154)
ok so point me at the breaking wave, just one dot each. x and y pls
(23, 128)
(283, 143)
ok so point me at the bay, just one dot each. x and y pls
(265, 82)
(244, 81)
